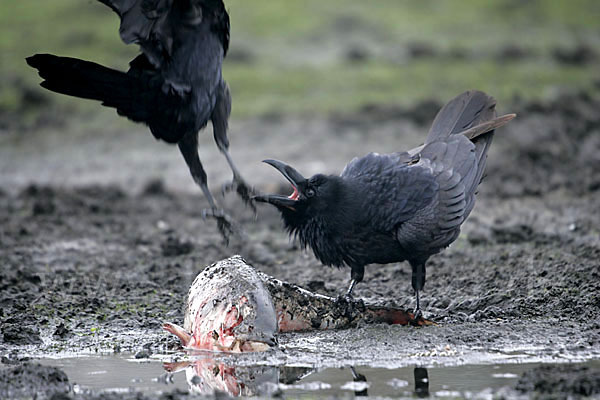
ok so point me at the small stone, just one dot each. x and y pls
(61, 331)
(142, 354)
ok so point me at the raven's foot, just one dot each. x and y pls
(246, 192)
(417, 316)
(349, 306)
(346, 297)
(225, 223)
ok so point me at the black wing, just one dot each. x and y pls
(457, 165)
(153, 24)
(424, 198)
(395, 188)
(428, 192)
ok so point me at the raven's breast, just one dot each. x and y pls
(376, 247)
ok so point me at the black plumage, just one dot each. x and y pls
(175, 86)
(403, 206)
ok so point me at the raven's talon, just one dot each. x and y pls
(225, 223)
(239, 186)
(350, 305)
(418, 315)
(345, 298)
(227, 187)
(213, 213)
(246, 192)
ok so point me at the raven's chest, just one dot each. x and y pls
(369, 247)
(355, 246)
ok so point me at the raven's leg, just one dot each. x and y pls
(418, 281)
(188, 145)
(353, 283)
(220, 119)
(238, 183)
(346, 300)
(356, 275)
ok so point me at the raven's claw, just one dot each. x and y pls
(418, 315)
(346, 297)
(246, 192)
(225, 223)
(349, 305)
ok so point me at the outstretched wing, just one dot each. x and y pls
(140, 19)
(153, 24)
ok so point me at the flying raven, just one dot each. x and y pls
(175, 86)
(386, 208)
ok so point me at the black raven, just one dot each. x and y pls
(386, 208)
(174, 86)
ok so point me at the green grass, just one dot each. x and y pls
(535, 23)
(297, 49)
(331, 88)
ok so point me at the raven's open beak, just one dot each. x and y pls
(294, 177)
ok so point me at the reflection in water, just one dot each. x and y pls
(291, 375)
(356, 377)
(421, 382)
(207, 376)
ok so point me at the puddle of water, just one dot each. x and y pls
(121, 373)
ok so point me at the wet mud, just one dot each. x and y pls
(96, 255)
(560, 382)
(33, 380)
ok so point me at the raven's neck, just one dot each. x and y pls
(325, 231)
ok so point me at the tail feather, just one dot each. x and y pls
(465, 111)
(488, 126)
(471, 114)
(89, 80)
(457, 145)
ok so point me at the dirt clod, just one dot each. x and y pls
(560, 382)
(19, 335)
(32, 381)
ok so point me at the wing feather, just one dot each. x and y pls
(154, 24)
(453, 165)
(394, 188)
(428, 192)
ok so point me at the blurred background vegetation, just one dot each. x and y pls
(315, 57)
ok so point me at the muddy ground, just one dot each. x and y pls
(101, 235)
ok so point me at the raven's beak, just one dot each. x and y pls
(294, 177)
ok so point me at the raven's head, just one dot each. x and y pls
(313, 199)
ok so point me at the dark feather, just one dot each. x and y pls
(401, 206)
(393, 191)
(174, 85)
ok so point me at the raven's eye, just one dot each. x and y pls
(310, 192)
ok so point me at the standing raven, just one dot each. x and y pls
(175, 86)
(386, 208)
